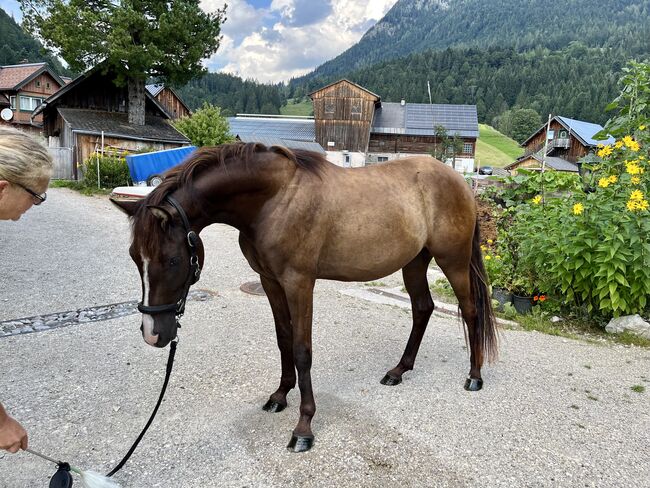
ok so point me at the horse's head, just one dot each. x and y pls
(169, 257)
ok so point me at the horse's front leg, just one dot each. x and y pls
(300, 294)
(275, 294)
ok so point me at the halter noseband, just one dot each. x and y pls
(195, 269)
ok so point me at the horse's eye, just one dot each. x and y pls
(174, 261)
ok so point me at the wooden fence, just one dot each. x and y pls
(62, 157)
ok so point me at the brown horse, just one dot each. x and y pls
(301, 218)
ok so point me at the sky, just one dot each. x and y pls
(274, 40)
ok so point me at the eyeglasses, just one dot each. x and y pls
(38, 198)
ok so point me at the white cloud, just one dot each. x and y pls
(276, 52)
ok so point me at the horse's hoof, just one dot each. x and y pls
(273, 406)
(473, 384)
(389, 380)
(301, 443)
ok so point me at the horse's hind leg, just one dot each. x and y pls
(274, 292)
(417, 286)
(458, 274)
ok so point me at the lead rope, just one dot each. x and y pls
(170, 363)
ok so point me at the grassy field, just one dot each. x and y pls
(495, 149)
(303, 107)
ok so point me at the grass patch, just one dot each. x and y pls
(375, 283)
(495, 149)
(297, 107)
(441, 291)
(638, 388)
(80, 187)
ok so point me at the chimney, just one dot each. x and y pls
(403, 102)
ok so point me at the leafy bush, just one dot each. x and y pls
(113, 171)
(205, 127)
(593, 248)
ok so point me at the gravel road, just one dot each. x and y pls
(554, 412)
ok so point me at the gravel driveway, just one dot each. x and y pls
(553, 412)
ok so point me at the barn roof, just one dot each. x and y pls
(276, 141)
(116, 124)
(344, 80)
(289, 128)
(423, 118)
(553, 162)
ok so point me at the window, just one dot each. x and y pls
(467, 148)
(47, 85)
(356, 109)
(29, 103)
(12, 102)
(38, 84)
(329, 107)
(382, 159)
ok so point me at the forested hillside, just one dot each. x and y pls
(232, 94)
(576, 82)
(16, 46)
(417, 25)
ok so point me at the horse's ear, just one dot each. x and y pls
(161, 213)
(129, 207)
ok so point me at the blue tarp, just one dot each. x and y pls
(142, 166)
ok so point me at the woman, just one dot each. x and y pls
(25, 171)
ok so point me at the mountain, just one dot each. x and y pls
(16, 46)
(412, 26)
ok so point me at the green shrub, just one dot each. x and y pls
(205, 127)
(113, 171)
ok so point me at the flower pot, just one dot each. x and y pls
(523, 304)
(502, 296)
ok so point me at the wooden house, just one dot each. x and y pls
(569, 141)
(170, 101)
(24, 87)
(91, 113)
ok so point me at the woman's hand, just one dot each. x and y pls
(12, 435)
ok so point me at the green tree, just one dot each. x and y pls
(140, 40)
(525, 121)
(205, 127)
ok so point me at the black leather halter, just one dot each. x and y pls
(193, 241)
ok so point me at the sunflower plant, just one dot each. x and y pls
(592, 249)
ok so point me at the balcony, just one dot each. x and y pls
(562, 143)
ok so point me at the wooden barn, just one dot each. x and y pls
(91, 113)
(23, 87)
(569, 141)
(170, 101)
(343, 113)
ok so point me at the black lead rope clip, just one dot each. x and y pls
(62, 478)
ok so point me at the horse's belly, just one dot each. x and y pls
(350, 261)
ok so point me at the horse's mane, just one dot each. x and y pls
(182, 176)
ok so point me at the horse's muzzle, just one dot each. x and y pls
(159, 330)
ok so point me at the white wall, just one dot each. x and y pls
(347, 159)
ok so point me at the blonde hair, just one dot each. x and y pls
(23, 159)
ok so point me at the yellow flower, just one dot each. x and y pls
(603, 182)
(642, 127)
(497, 257)
(578, 208)
(483, 247)
(488, 257)
(635, 180)
(637, 205)
(630, 143)
(633, 168)
(636, 195)
(613, 179)
(605, 151)
(490, 241)
(537, 199)
(618, 144)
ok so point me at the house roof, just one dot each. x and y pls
(276, 141)
(347, 81)
(291, 129)
(12, 77)
(116, 124)
(583, 131)
(553, 162)
(422, 118)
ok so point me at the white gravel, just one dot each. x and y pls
(553, 412)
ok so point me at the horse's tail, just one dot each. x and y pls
(485, 336)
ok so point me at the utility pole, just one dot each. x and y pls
(548, 129)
